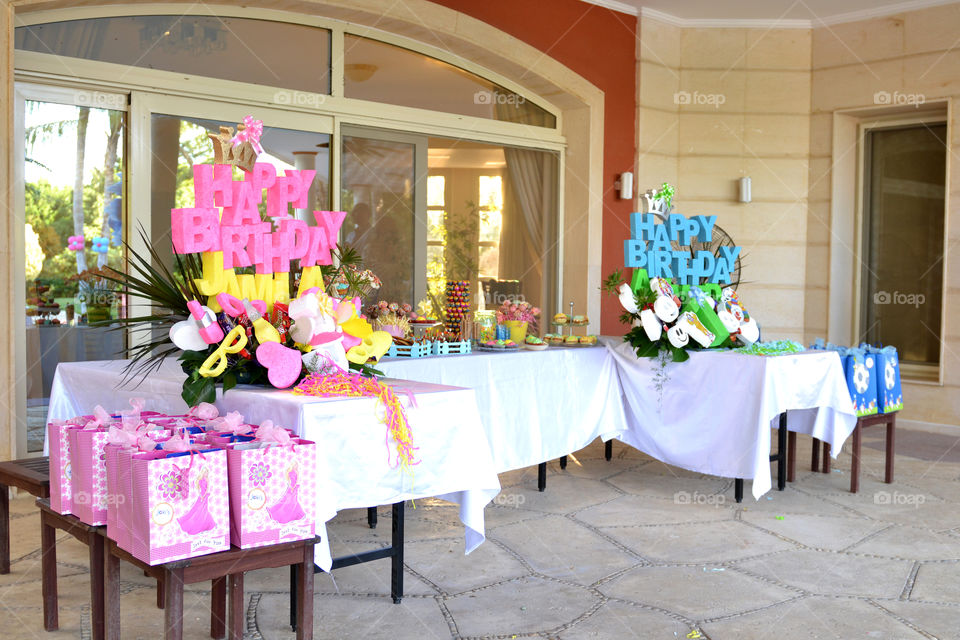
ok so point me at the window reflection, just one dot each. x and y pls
(381, 72)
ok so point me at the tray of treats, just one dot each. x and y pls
(557, 340)
(498, 345)
(533, 343)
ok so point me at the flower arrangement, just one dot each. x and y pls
(284, 302)
(521, 311)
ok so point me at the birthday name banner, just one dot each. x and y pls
(225, 226)
(650, 248)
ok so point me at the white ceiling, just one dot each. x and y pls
(784, 13)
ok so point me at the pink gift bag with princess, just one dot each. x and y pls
(89, 482)
(61, 470)
(272, 489)
(180, 507)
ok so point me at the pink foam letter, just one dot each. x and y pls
(213, 185)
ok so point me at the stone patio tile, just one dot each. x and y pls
(796, 499)
(828, 573)
(626, 622)
(561, 548)
(819, 532)
(695, 592)
(497, 516)
(565, 494)
(823, 618)
(910, 542)
(711, 542)
(668, 487)
(938, 620)
(446, 566)
(636, 510)
(596, 468)
(337, 617)
(526, 605)
(937, 582)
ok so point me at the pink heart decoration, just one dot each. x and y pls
(282, 363)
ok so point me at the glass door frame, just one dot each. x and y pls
(420, 170)
(78, 96)
(916, 373)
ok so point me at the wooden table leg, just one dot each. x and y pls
(218, 608)
(305, 596)
(173, 601)
(112, 595)
(826, 457)
(237, 607)
(95, 544)
(891, 430)
(815, 456)
(855, 460)
(161, 591)
(792, 456)
(48, 573)
(4, 529)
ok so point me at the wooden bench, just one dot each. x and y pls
(224, 569)
(888, 419)
(29, 474)
(94, 538)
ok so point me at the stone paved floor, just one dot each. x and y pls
(629, 548)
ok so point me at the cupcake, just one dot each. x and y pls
(580, 320)
(571, 340)
(560, 318)
(588, 340)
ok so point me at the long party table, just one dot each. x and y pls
(353, 470)
(713, 413)
(535, 405)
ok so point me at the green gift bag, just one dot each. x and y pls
(703, 311)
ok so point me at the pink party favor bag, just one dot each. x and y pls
(272, 495)
(61, 471)
(180, 507)
(89, 482)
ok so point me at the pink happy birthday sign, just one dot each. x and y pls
(239, 232)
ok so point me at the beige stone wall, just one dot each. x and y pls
(909, 53)
(720, 104)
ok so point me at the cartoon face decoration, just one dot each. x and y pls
(678, 336)
(666, 309)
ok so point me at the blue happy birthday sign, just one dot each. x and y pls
(649, 248)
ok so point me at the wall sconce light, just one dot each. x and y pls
(625, 185)
(745, 190)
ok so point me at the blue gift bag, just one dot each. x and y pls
(860, 370)
(889, 393)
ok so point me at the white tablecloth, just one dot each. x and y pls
(716, 409)
(353, 469)
(535, 405)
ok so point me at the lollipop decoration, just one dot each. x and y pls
(458, 305)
